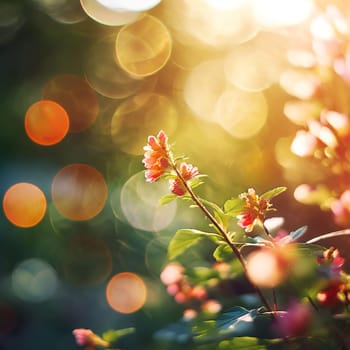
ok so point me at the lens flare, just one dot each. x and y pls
(276, 13)
(130, 5)
(24, 204)
(143, 48)
(265, 268)
(139, 201)
(209, 75)
(46, 122)
(79, 192)
(34, 280)
(140, 116)
(105, 76)
(241, 113)
(126, 293)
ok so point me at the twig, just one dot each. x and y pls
(221, 231)
(329, 235)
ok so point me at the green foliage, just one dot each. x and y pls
(222, 253)
(186, 238)
(273, 193)
(112, 336)
(237, 322)
(248, 343)
(168, 198)
(234, 206)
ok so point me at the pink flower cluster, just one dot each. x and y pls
(194, 297)
(187, 172)
(323, 111)
(156, 157)
(254, 210)
(158, 160)
(336, 289)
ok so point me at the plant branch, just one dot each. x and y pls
(329, 235)
(223, 233)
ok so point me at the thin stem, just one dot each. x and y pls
(329, 235)
(275, 306)
(312, 303)
(221, 231)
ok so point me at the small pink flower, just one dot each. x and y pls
(211, 306)
(254, 209)
(156, 157)
(198, 292)
(83, 336)
(188, 172)
(172, 273)
(189, 314)
(86, 337)
(341, 209)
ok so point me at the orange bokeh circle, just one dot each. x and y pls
(79, 192)
(46, 122)
(126, 292)
(24, 204)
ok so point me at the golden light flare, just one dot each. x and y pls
(79, 192)
(69, 91)
(104, 15)
(197, 22)
(256, 64)
(209, 75)
(126, 292)
(139, 116)
(143, 47)
(46, 122)
(105, 76)
(24, 204)
(241, 113)
(130, 5)
(87, 261)
(276, 13)
(140, 204)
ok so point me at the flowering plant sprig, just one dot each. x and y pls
(109, 339)
(274, 260)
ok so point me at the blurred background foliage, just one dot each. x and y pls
(53, 275)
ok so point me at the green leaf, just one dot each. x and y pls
(309, 249)
(186, 238)
(167, 198)
(247, 343)
(112, 335)
(223, 253)
(273, 193)
(234, 206)
(195, 182)
(219, 214)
